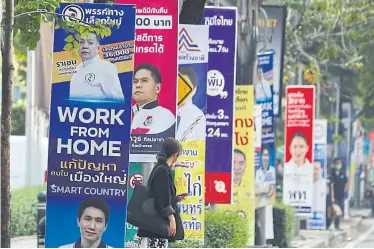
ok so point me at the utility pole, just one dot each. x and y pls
(337, 115)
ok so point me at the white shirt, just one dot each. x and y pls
(263, 90)
(191, 124)
(72, 245)
(151, 119)
(96, 79)
(319, 195)
(298, 179)
(265, 177)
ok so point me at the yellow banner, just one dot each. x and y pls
(189, 178)
(243, 168)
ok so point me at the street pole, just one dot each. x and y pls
(318, 99)
(337, 115)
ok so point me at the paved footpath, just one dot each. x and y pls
(24, 242)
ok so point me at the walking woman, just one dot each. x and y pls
(163, 190)
(339, 182)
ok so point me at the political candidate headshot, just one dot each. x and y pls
(239, 166)
(191, 121)
(92, 219)
(94, 78)
(148, 116)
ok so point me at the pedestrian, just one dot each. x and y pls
(163, 190)
(328, 200)
(339, 184)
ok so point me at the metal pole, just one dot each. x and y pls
(318, 99)
(337, 115)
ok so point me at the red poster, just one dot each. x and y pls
(298, 169)
(155, 77)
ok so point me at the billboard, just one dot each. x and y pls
(220, 102)
(243, 171)
(298, 168)
(265, 177)
(274, 28)
(89, 134)
(191, 126)
(155, 77)
(318, 220)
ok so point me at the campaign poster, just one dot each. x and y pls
(220, 102)
(135, 178)
(243, 170)
(258, 136)
(191, 126)
(318, 219)
(271, 38)
(298, 168)
(265, 174)
(155, 77)
(89, 134)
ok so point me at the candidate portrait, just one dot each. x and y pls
(92, 220)
(94, 79)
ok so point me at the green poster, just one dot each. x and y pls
(135, 175)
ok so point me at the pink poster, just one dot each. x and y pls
(154, 90)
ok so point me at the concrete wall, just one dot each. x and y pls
(18, 165)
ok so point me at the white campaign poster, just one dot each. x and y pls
(318, 219)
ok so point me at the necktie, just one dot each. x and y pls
(178, 121)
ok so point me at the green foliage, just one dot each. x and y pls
(225, 230)
(187, 244)
(23, 204)
(18, 118)
(29, 14)
(283, 218)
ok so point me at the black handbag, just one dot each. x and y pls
(142, 213)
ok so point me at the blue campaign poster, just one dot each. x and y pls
(90, 120)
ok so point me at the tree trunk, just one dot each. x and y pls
(192, 12)
(7, 74)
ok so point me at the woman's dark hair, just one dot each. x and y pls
(301, 135)
(170, 146)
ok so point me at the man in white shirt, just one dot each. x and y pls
(263, 90)
(93, 214)
(319, 188)
(265, 178)
(191, 121)
(94, 78)
(148, 116)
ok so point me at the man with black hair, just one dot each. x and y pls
(92, 219)
(94, 78)
(191, 121)
(265, 177)
(148, 116)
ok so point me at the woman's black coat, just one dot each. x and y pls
(163, 190)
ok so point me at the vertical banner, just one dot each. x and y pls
(275, 29)
(258, 135)
(191, 126)
(135, 178)
(243, 170)
(265, 176)
(90, 128)
(220, 102)
(298, 168)
(318, 220)
(155, 77)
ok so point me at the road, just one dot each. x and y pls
(364, 237)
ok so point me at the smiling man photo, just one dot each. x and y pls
(93, 214)
(94, 78)
(148, 116)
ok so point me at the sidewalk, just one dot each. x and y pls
(330, 238)
(24, 242)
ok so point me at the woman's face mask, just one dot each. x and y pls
(338, 166)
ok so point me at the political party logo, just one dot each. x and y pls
(220, 186)
(72, 13)
(89, 77)
(186, 43)
(148, 121)
(216, 84)
(135, 179)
